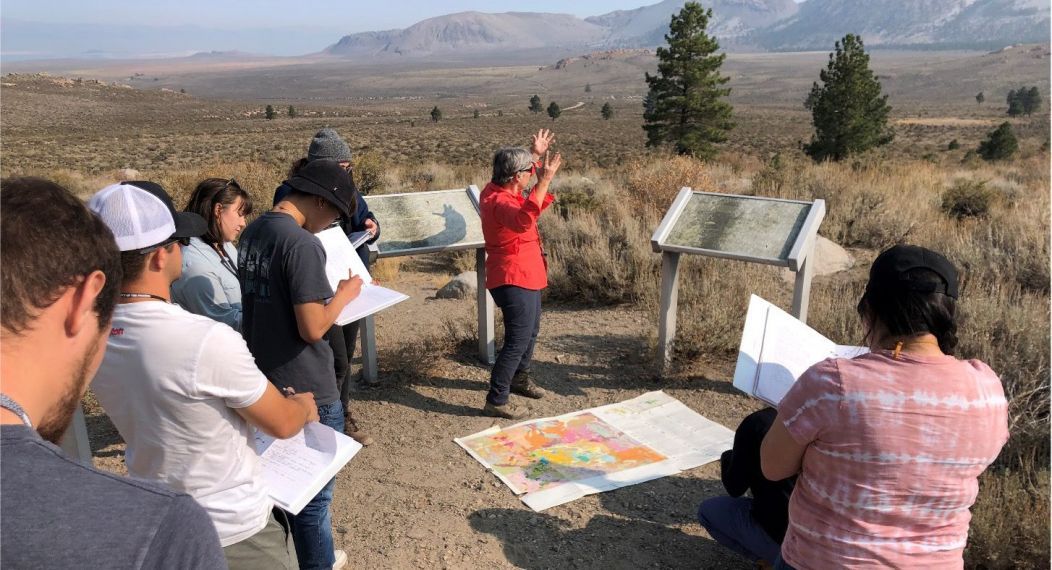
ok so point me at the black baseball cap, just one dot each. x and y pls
(890, 271)
(326, 178)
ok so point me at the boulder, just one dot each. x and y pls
(829, 258)
(460, 287)
(128, 174)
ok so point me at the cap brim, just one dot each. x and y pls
(309, 187)
(189, 224)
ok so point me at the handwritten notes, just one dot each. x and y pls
(295, 469)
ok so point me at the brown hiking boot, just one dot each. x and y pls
(523, 385)
(508, 411)
(351, 429)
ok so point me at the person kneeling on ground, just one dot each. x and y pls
(289, 306)
(516, 270)
(60, 276)
(889, 445)
(183, 389)
(752, 527)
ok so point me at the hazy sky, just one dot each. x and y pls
(346, 16)
(38, 29)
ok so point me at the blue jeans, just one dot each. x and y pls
(312, 528)
(730, 522)
(522, 322)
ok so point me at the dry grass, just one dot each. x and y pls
(598, 236)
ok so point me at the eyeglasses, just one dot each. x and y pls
(531, 170)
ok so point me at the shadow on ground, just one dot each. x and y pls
(641, 531)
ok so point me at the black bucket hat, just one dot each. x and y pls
(326, 178)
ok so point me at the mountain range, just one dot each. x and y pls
(740, 25)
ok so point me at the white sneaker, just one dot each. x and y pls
(341, 559)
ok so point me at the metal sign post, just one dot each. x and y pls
(746, 228)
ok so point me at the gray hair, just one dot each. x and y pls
(508, 162)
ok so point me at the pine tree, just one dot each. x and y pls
(292, 112)
(436, 114)
(1031, 101)
(848, 112)
(269, 111)
(535, 104)
(980, 98)
(554, 111)
(685, 105)
(475, 114)
(1015, 102)
(999, 144)
(607, 111)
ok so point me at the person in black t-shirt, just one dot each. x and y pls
(753, 527)
(60, 274)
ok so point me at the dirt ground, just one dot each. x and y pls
(415, 499)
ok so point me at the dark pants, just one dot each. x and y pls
(730, 522)
(342, 339)
(522, 322)
(312, 528)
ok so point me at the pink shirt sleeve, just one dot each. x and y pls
(813, 403)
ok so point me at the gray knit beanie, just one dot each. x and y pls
(328, 144)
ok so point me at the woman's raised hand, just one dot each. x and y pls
(541, 141)
(550, 167)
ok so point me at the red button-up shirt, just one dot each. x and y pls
(513, 244)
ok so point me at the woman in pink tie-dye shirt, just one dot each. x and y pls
(889, 446)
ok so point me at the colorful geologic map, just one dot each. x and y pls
(536, 455)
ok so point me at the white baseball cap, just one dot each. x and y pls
(141, 215)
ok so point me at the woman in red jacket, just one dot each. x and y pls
(516, 271)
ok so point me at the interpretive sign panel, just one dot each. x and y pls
(740, 226)
(426, 222)
(429, 222)
(746, 228)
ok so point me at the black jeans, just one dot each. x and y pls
(342, 340)
(522, 322)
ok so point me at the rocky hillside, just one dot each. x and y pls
(985, 24)
(740, 25)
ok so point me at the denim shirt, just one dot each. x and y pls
(207, 287)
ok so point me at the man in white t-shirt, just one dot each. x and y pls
(184, 390)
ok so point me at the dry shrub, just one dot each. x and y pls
(1003, 534)
(968, 198)
(601, 256)
(1009, 330)
(370, 173)
(386, 270)
(655, 182)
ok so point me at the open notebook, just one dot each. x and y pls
(777, 348)
(341, 257)
(295, 469)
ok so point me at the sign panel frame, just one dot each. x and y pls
(486, 306)
(797, 260)
(472, 195)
